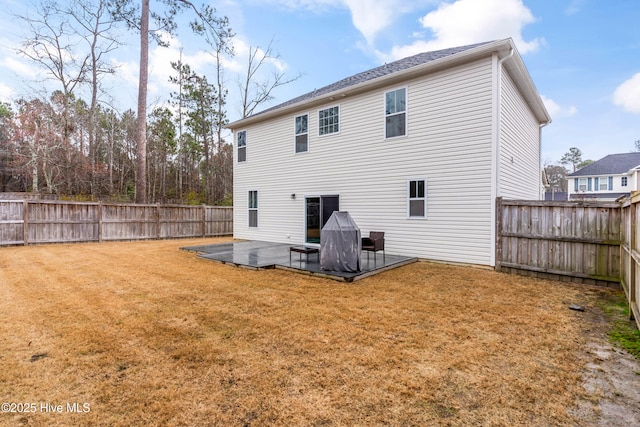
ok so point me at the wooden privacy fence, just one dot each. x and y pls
(631, 253)
(569, 240)
(25, 222)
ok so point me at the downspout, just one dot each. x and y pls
(495, 191)
(540, 156)
(498, 117)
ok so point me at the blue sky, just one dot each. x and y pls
(583, 55)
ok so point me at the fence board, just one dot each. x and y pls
(38, 221)
(630, 253)
(573, 239)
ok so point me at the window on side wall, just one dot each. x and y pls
(329, 121)
(242, 146)
(582, 184)
(603, 184)
(623, 181)
(395, 115)
(302, 133)
(253, 208)
(417, 198)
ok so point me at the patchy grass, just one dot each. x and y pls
(141, 333)
(624, 331)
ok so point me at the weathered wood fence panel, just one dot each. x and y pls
(631, 253)
(37, 221)
(573, 239)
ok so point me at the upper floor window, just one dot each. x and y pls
(395, 103)
(302, 133)
(242, 146)
(328, 120)
(623, 181)
(417, 198)
(582, 184)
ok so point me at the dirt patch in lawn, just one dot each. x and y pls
(142, 333)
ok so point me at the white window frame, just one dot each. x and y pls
(581, 185)
(603, 181)
(320, 120)
(384, 106)
(296, 134)
(251, 208)
(418, 198)
(244, 146)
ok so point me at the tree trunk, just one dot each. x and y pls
(141, 124)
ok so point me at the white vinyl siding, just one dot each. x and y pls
(520, 171)
(449, 139)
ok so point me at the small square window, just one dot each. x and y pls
(623, 181)
(328, 121)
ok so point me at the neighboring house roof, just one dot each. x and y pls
(411, 67)
(613, 164)
(557, 195)
(590, 196)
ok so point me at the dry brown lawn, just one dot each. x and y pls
(146, 334)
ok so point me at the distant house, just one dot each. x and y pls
(418, 148)
(607, 179)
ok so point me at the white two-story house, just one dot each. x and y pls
(418, 148)
(609, 178)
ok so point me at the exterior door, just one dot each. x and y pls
(318, 210)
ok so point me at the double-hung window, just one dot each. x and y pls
(395, 114)
(329, 120)
(253, 208)
(417, 198)
(582, 184)
(302, 133)
(242, 146)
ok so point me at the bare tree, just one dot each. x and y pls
(205, 21)
(255, 90)
(52, 45)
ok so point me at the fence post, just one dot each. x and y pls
(633, 241)
(99, 222)
(25, 222)
(204, 220)
(498, 227)
(158, 221)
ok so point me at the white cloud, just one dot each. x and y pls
(6, 93)
(627, 95)
(555, 110)
(372, 16)
(471, 21)
(574, 7)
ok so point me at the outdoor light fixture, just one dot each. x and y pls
(293, 196)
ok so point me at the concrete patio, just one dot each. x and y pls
(263, 255)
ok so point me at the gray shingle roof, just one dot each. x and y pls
(611, 164)
(383, 70)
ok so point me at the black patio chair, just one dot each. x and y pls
(374, 243)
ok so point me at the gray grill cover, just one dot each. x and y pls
(340, 244)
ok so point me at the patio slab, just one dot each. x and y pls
(263, 255)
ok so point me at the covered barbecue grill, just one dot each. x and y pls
(340, 244)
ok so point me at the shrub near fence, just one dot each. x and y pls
(35, 221)
(573, 240)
